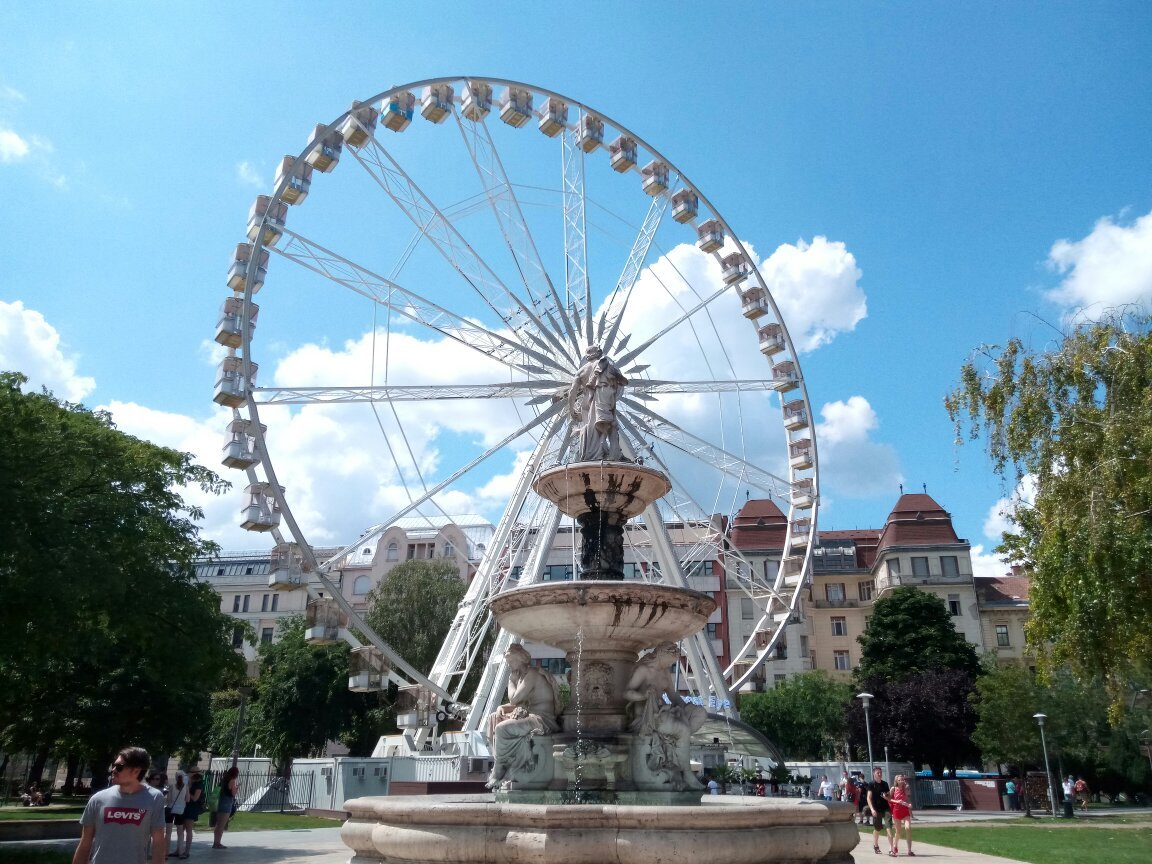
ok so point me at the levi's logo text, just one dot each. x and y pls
(124, 815)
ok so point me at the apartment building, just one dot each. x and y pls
(1003, 614)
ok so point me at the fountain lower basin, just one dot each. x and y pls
(476, 828)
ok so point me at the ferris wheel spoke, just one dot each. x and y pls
(409, 304)
(506, 207)
(534, 391)
(577, 286)
(684, 441)
(440, 231)
(648, 388)
(676, 322)
(612, 315)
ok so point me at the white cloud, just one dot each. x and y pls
(11, 94)
(850, 461)
(817, 288)
(12, 147)
(247, 174)
(1110, 267)
(987, 564)
(29, 344)
(996, 523)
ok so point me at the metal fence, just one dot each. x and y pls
(927, 792)
(267, 792)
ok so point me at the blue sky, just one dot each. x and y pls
(921, 178)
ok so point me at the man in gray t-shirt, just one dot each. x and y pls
(118, 821)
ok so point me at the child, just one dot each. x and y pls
(901, 804)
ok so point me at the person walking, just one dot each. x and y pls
(225, 805)
(1010, 792)
(878, 806)
(192, 811)
(177, 801)
(900, 803)
(825, 788)
(119, 822)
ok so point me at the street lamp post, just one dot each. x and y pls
(866, 698)
(1040, 718)
(245, 692)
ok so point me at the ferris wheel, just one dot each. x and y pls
(447, 251)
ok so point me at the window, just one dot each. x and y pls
(866, 589)
(393, 552)
(275, 602)
(839, 626)
(632, 571)
(558, 573)
(236, 603)
(411, 551)
(219, 571)
(954, 605)
(747, 609)
(247, 597)
(840, 661)
(834, 591)
(237, 637)
(839, 556)
(264, 602)
(712, 631)
(920, 565)
(697, 568)
(555, 665)
(893, 567)
(361, 586)
(803, 646)
(777, 680)
(266, 636)
(781, 651)
(949, 566)
(449, 549)
(1002, 636)
(247, 571)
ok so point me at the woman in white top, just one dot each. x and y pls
(177, 801)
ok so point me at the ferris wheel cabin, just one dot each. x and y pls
(262, 512)
(359, 125)
(240, 444)
(238, 268)
(436, 102)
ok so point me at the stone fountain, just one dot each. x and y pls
(609, 778)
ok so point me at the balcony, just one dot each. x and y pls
(835, 604)
(932, 577)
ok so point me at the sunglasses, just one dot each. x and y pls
(117, 766)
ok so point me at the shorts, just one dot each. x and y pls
(882, 820)
(168, 815)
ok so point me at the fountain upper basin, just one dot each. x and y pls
(629, 616)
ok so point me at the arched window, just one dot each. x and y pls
(393, 552)
(361, 586)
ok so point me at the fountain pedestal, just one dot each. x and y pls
(600, 789)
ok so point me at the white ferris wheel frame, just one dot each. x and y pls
(549, 334)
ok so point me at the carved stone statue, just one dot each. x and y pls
(592, 404)
(530, 711)
(663, 721)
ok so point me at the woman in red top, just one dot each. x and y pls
(901, 804)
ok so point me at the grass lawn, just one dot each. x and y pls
(1118, 842)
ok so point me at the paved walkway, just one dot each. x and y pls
(323, 846)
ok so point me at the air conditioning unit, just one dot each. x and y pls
(479, 764)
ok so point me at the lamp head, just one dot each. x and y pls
(865, 698)
(1040, 718)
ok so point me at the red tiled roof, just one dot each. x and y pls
(760, 524)
(917, 519)
(993, 590)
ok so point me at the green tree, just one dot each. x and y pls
(1077, 419)
(1006, 698)
(106, 637)
(413, 606)
(910, 631)
(302, 700)
(804, 716)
